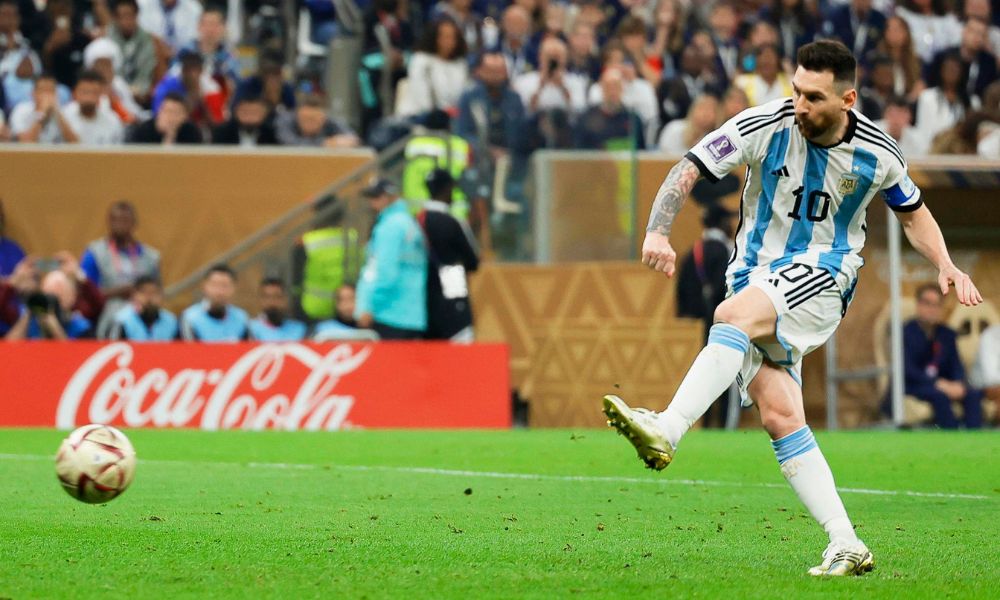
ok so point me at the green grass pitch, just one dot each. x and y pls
(513, 514)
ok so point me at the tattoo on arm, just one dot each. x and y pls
(671, 195)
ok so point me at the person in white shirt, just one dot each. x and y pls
(104, 56)
(681, 134)
(941, 107)
(41, 119)
(438, 72)
(639, 95)
(986, 372)
(94, 123)
(932, 27)
(552, 87)
(896, 121)
(14, 48)
(174, 21)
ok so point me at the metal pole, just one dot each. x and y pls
(895, 284)
(832, 382)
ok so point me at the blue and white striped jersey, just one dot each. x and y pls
(804, 203)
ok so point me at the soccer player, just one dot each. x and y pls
(814, 164)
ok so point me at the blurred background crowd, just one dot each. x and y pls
(513, 76)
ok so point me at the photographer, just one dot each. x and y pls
(46, 311)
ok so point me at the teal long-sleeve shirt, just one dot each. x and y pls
(393, 284)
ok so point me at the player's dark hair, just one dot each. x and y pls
(221, 268)
(832, 56)
(928, 287)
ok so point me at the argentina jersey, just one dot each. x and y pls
(803, 203)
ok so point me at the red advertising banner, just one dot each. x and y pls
(287, 386)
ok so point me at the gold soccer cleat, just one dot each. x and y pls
(639, 426)
(844, 560)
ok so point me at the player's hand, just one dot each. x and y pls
(968, 294)
(657, 254)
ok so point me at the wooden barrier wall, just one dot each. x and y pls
(192, 203)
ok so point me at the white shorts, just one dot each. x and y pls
(809, 306)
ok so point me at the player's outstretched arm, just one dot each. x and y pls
(657, 253)
(923, 232)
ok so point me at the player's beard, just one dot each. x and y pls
(812, 130)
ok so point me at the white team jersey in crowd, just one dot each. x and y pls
(803, 203)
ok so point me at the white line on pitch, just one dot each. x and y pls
(526, 476)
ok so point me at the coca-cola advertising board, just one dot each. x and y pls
(287, 386)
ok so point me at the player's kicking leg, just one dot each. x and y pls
(779, 398)
(745, 316)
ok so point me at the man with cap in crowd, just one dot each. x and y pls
(392, 291)
(701, 283)
(452, 257)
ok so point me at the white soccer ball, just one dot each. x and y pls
(95, 463)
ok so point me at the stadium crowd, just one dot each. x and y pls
(514, 75)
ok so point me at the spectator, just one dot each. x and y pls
(675, 95)
(552, 87)
(104, 57)
(669, 23)
(610, 125)
(857, 24)
(137, 47)
(897, 44)
(680, 135)
(452, 255)
(215, 319)
(795, 21)
(639, 96)
(203, 96)
(62, 53)
(89, 299)
(41, 120)
(14, 47)
(117, 260)
(144, 319)
(987, 366)
(878, 87)
(553, 26)
(94, 124)
(760, 34)
(343, 318)
(767, 82)
(270, 85)
(387, 41)
(309, 125)
(515, 28)
(220, 65)
(11, 252)
(978, 63)
(701, 284)
(631, 33)
(933, 28)
(274, 323)
(965, 136)
(174, 21)
(22, 283)
(392, 292)
(248, 127)
(322, 21)
(981, 9)
(943, 106)
(734, 101)
(724, 23)
(896, 122)
(933, 370)
(438, 71)
(48, 313)
(583, 57)
(490, 113)
(169, 126)
(469, 22)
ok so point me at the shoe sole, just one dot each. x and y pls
(618, 414)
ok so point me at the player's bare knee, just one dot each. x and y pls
(780, 421)
(731, 314)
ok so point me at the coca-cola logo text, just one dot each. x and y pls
(106, 388)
